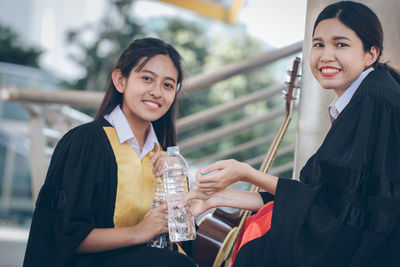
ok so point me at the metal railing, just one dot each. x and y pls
(41, 106)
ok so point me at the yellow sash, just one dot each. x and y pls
(135, 182)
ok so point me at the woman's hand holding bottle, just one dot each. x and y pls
(154, 223)
(157, 161)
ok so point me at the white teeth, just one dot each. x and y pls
(329, 70)
(151, 104)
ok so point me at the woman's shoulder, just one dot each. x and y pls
(87, 135)
(93, 128)
(382, 87)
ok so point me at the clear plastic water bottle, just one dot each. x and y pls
(160, 241)
(181, 225)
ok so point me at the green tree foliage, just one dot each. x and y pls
(222, 51)
(107, 39)
(189, 39)
(12, 49)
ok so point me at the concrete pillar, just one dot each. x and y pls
(313, 120)
(38, 159)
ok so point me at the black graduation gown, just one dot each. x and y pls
(79, 195)
(345, 210)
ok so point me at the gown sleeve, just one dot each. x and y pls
(266, 197)
(64, 213)
(346, 211)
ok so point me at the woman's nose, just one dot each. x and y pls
(328, 54)
(155, 90)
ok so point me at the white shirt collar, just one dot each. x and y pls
(339, 103)
(125, 134)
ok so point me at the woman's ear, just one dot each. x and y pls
(119, 80)
(372, 56)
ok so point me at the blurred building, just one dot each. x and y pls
(15, 188)
(15, 184)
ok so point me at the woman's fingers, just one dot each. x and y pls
(153, 157)
(219, 175)
(212, 168)
(208, 178)
(159, 215)
(159, 165)
(194, 194)
(161, 208)
(214, 182)
(198, 200)
(157, 160)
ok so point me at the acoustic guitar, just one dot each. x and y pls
(218, 231)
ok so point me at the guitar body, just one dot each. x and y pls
(216, 235)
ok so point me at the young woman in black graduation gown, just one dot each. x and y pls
(94, 208)
(345, 209)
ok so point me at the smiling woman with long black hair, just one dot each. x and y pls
(345, 209)
(94, 208)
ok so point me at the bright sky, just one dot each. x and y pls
(278, 23)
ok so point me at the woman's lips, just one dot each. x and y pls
(152, 104)
(329, 71)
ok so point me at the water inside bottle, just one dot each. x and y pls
(160, 241)
(180, 220)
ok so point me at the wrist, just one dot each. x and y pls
(246, 172)
(223, 198)
(215, 200)
(137, 235)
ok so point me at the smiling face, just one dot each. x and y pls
(337, 56)
(147, 93)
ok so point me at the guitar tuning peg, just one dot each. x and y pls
(284, 92)
(289, 72)
(296, 93)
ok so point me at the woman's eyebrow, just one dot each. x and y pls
(155, 74)
(335, 38)
(341, 38)
(317, 39)
(151, 72)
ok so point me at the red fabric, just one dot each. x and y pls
(254, 227)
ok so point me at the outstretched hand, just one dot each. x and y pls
(218, 176)
(198, 201)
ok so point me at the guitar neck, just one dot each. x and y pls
(273, 149)
(268, 160)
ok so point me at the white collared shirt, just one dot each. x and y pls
(339, 103)
(125, 134)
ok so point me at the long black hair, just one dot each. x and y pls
(130, 58)
(364, 22)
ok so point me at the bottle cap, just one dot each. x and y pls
(204, 174)
(173, 149)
